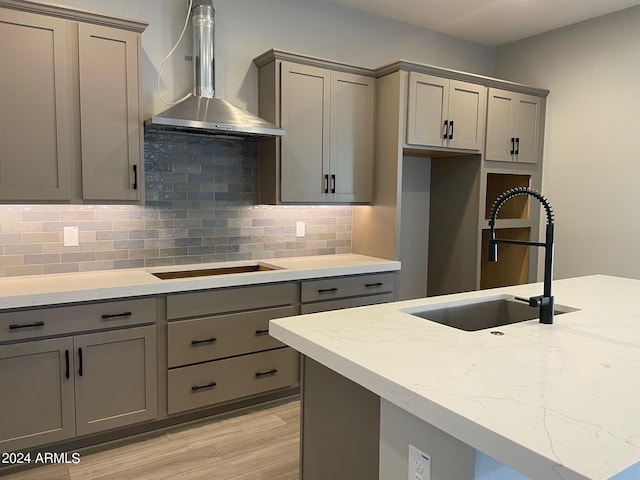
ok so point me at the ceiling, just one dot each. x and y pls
(490, 22)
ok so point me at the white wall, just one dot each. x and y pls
(247, 28)
(592, 141)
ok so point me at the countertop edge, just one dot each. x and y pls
(152, 286)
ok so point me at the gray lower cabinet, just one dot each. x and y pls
(55, 389)
(219, 348)
(115, 379)
(345, 292)
(37, 401)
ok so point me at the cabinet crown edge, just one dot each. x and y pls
(274, 54)
(491, 82)
(401, 65)
(74, 14)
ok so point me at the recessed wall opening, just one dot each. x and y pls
(512, 267)
(516, 207)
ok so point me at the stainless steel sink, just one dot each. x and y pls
(480, 314)
(205, 272)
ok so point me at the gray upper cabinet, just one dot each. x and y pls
(305, 109)
(109, 113)
(327, 112)
(444, 113)
(70, 121)
(514, 126)
(35, 118)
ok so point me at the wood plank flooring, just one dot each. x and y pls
(260, 443)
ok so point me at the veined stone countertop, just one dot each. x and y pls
(557, 401)
(41, 290)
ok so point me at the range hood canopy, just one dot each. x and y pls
(201, 112)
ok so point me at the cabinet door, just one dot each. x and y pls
(35, 117)
(109, 112)
(527, 128)
(513, 127)
(428, 104)
(115, 378)
(36, 404)
(467, 103)
(500, 112)
(305, 105)
(352, 111)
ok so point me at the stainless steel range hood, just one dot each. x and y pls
(202, 112)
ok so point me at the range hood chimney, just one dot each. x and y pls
(201, 112)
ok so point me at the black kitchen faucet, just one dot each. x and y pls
(544, 301)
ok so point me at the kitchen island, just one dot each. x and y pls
(546, 401)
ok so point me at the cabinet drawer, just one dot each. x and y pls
(340, 287)
(43, 322)
(224, 380)
(223, 300)
(210, 338)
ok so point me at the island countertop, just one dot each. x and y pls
(554, 401)
(55, 289)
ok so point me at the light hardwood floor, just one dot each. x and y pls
(260, 443)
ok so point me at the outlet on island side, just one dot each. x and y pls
(71, 237)
(419, 464)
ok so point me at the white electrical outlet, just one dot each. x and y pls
(419, 464)
(300, 229)
(71, 237)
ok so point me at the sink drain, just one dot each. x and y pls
(495, 332)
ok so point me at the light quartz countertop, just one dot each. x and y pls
(41, 290)
(557, 401)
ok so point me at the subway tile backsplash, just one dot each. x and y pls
(201, 206)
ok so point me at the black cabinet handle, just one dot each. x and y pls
(262, 332)
(107, 316)
(268, 372)
(517, 145)
(66, 357)
(135, 177)
(378, 284)
(445, 129)
(333, 184)
(327, 290)
(513, 146)
(326, 184)
(16, 326)
(195, 388)
(451, 130)
(80, 369)
(208, 340)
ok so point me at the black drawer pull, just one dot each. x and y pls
(268, 372)
(208, 340)
(262, 332)
(195, 388)
(15, 326)
(80, 369)
(116, 315)
(327, 290)
(377, 284)
(66, 357)
(451, 130)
